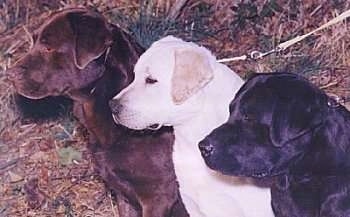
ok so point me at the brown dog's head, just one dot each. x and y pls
(62, 58)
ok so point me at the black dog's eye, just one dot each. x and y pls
(150, 80)
(247, 118)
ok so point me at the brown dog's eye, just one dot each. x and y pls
(150, 80)
(43, 40)
(35, 37)
(45, 44)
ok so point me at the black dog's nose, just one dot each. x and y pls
(206, 148)
(115, 106)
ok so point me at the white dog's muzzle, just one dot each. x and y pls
(154, 127)
(130, 119)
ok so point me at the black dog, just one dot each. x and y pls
(280, 124)
(311, 196)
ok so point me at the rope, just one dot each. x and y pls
(283, 46)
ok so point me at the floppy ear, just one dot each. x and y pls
(292, 119)
(282, 182)
(92, 36)
(192, 72)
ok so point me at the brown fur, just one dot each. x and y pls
(78, 54)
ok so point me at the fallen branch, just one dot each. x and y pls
(176, 9)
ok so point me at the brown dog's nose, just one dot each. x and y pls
(15, 73)
(11, 74)
(206, 148)
(115, 106)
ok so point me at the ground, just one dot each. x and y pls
(49, 158)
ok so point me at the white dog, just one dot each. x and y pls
(180, 84)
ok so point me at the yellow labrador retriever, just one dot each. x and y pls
(180, 84)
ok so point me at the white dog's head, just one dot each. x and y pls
(169, 78)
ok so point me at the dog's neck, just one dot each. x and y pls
(329, 154)
(217, 96)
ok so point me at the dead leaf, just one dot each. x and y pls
(347, 106)
(14, 177)
(68, 155)
(39, 156)
(35, 197)
(44, 174)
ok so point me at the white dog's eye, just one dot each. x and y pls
(150, 80)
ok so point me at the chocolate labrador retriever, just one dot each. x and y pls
(282, 125)
(79, 55)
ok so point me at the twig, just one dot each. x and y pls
(113, 209)
(8, 164)
(176, 9)
(66, 132)
(329, 84)
(17, 11)
(30, 37)
(79, 178)
(316, 9)
(13, 47)
(3, 209)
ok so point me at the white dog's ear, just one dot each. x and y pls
(192, 72)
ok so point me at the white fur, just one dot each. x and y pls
(204, 192)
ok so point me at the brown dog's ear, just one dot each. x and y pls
(192, 72)
(92, 36)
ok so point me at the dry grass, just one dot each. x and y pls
(29, 157)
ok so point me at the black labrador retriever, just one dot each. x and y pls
(281, 125)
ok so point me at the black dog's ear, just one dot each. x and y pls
(292, 119)
(282, 182)
(92, 36)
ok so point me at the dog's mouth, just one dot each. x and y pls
(260, 175)
(134, 125)
(154, 127)
(30, 95)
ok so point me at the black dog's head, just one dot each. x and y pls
(272, 120)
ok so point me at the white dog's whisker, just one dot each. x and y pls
(115, 118)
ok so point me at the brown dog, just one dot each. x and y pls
(78, 54)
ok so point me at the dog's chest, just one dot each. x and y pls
(188, 163)
(198, 187)
(206, 193)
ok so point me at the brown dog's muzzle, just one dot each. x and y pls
(18, 73)
(14, 74)
(30, 88)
